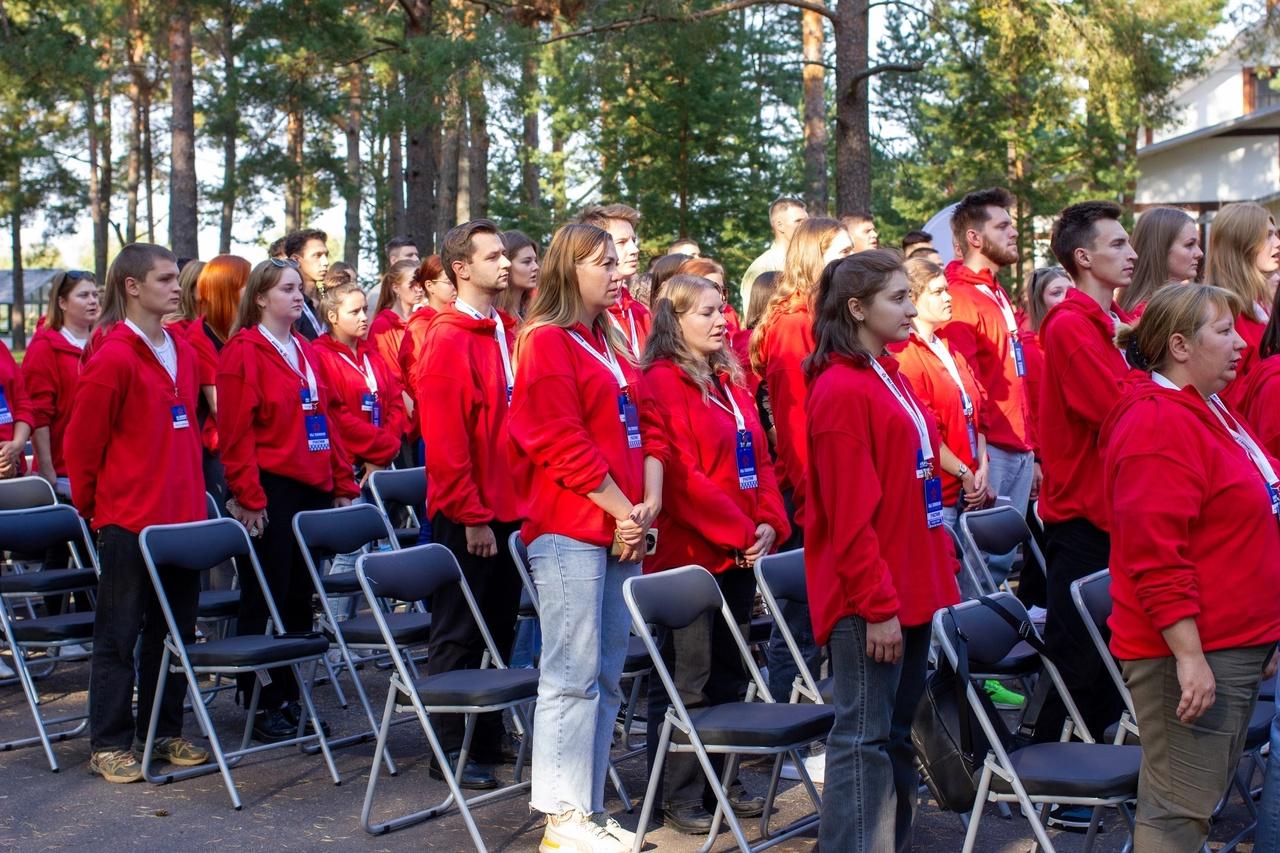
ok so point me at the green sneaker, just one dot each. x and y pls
(1002, 697)
(174, 750)
(116, 765)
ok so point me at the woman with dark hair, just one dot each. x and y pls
(711, 270)
(1168, 247)
(522, 281)
(663, 268)
(398, 296)
(877, 559)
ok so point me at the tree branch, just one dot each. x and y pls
(732, 6)
(882, 68)
(410, 14)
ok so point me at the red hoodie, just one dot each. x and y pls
(463, 389)
(352, 419)
(1192, 533)
(128, 465)
(1259, 402)
(16, 399)
(386, 333)
(261, 426)
(706, 516)
(786, 342)
(415, 333)
(1033, 353)
(978, 332)
(869, 551)
(207, 356)
(938, 392)
(1084, 372)
(633, 319)
(1252, 331)
(564, 424)
(51, 372)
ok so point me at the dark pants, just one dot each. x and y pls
(287, 577)
(1032, 583)
(1075, 549)
(456, 642)
(869, 800)
(706, 666)
(129, 618)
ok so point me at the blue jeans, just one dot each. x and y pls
(1267, 837)
(585, 626)
(1010, 475)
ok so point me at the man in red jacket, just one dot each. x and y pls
(1083, 377)
(465, 377)
(629, 316)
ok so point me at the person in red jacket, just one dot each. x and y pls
(1260, 394)
(466, 377)
(1243, 252)
(1084, 372)
(15, 417)
(628, 315)
(710, 269)
(440, 292)
(1045, 287)
(721, 509)
(588, 450)
(877, 559)
(398, 297)
(523, 252)
(132, 452)
(1192, 502)
(282, 456)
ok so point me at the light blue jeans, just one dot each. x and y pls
(1267, 837)
(585, 626)
(1010, 476)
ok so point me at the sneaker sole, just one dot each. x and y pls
(177, 762)
(114, 778)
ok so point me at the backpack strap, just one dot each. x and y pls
(1027, 632)
(962, 687)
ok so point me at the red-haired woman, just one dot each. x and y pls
(711, 270)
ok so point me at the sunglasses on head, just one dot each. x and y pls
(284, 263)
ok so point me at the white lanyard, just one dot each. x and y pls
(1242, 438)
(1263, 315)
(948, 361)
(609, 360)
(908, 405)
(998, 297)
(172, 370)
(309, 376)
(635, 339)
(738, 420)
(370, 378)
(499, 332)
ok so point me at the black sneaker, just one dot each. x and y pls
(293, 713)
(743, 804)
(687, 818)
(474, 777)
(273, 726)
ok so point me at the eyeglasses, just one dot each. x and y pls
(284, 263)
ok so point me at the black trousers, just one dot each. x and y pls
(1075, 549)
(129, 618)
(456, 642)
(287, 578)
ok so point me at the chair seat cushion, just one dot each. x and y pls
(1021, 660)
(477, 687)
(1075, 770)
(48, 581)
(219, 603)
(341, 583)
(54, 629)
(407, 629)
(255, 650)
(637, 656)
(759, 724)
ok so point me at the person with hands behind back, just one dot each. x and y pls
(721, 510)
(589, 446)
(1192, 503)
(282, 456)
(877, 559)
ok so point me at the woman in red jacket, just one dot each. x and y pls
(1192, 503)
(1259, 396)
(522, 286)
(282, 456)
(133, 456)
(711, 270)
(51, 369)
(398, 297)
(589, 444)
(1244, 251)
(721, 510)
(877, 559)
(440, 294)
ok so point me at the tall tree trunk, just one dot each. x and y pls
(423, 132)
(293, 181)
(99, 178)
(355, 179)
(183, 226)
(853, 115)
(814, 80)
(447, 192)
(478, 151)
(148, 165)
(230, 129)
(133, 173)
(395, 160)
(530, 188)
(559, 185)
(18, 322)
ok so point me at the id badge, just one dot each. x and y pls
(933, 501)
(308, 404)
(1273, 491)
(317, 433)
(1019, 362)
(375, 416)
(922, 466)
(367, 402)
(6, 416)
(973, 437)
(630, 417)
(746, 451)
(179, 415)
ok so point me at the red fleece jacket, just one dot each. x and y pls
(787, 341)
(362, 440)
(51, 373)
(386, 333)
(633, 318)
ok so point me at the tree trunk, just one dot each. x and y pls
(559, 186)
(462, 206)
(133, 173)
(447, 193)
(853, 115)
(293, 181)
(355, 179)
(395, 161)
(183, 227)
(531, 190)
(814, 80)
(478, 160)
(17, 323)
(148, 165)
(423, 132)
(99, 182)
(231, 128)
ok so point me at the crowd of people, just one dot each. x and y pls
(626, 421)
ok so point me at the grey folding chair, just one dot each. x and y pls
(780, 578)
(26, 493)
(1083, 773)
(997, 531)
(218, 605)
(196, 547)
(674, 599)
(410, 575)
(403, 488)
(35, 531)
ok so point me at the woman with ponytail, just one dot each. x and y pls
(1243, 250)
(398, 297)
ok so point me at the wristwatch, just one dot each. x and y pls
(962, 471)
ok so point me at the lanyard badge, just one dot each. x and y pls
(369, 403)
(6, 415)
(630, 417)
(1019, 360)
(933, 501)
(179, 415)
(317, 433)
(746, 453)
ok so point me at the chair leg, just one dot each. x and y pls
(975, 817)
(724, 811)
(378, 751)
(305, 690)
(19, 655)
(655, 778)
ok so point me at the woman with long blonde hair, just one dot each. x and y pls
(1243, 251)
(1168, 247)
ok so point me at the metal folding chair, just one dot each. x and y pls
(404, 488)
(26, 493)
(997, 531)
(196, 547)
(674, 599)
(780, 577)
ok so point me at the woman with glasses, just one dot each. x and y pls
(440, 294)
(399, 295)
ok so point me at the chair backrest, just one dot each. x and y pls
(410, 574)
(783, 575)
(341, 530)
(211, 508)
(676, 597)
(1092, 597)
(195, 546)
(997, 530)
(402, 486)
(529, 604)
(26, 493)
(37, 529)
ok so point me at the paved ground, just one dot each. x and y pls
(290, 803)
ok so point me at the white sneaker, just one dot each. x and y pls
(574, 832)
(605, 821)
(75, 650)
(814, 765)
(6, 671)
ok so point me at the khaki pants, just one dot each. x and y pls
(1187, 768)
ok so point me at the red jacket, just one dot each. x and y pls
(740, 343)
(463, 389)
(1251, 330)
(633, 318)
(787, 341)
(360, 438)
(386, 333)
(415, 334)
(1192, 533)
(1259, 402)
(261, 426)
(705, 515)
(869, 551)
(128, 466)
(978, 332)
(566, 435)
(15, 395)
(938, 392)
(207, 357)
(1033, 353)
(51, 372)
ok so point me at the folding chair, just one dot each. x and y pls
(410, 575)
(1067, 772)
(674, 599)
(780, 577)
(26, 493)
(35, 531)
(196, 547)
(405, 488)
(217, 605)
(322, 535)
(997, 531)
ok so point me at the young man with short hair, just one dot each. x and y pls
(862, 231)
(628, 315)
(784, 215)
(309, 249)
(914, 240)
(401, 248)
